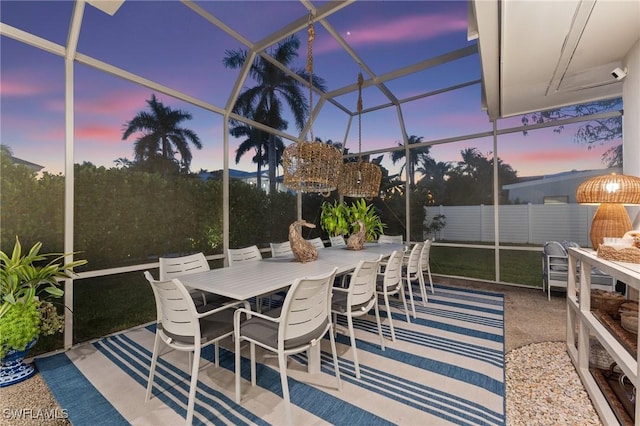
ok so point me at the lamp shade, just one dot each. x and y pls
(611, 192)
(612, 188)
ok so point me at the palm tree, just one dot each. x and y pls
(161, 134)
(274, 87)
(258, 141)
(415, 155)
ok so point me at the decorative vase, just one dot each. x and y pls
(13, 369)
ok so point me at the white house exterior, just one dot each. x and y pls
(559, 188)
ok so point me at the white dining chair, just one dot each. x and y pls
(413, 272)
(182, 328)
(337, 241)
(304, 320)
(357, 300)
(425, 267)
(390, 239)
(238, 256)
(317, 242)
(246, 254)
(171, 267)
(390, 283)
(281, 249)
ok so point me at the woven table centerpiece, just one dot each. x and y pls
(302, 249)
(356, 241)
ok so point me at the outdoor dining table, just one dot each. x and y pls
(253, 279)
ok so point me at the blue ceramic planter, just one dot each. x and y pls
(13, 369)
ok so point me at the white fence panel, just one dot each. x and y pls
(519, 224)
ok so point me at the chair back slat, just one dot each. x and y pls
(317, 242)
(393, 270)
(337, 241)
(246, 254)
(306, 306)
(176, 308)
(424, 255)
(281, 249)
(362, 286)
(413, 264)
(390, 239)
(174, 266)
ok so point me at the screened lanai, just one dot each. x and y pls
(448, 88)
(484, 117)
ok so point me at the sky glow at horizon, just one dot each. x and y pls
(32, 89)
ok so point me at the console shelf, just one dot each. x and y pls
(582, 324)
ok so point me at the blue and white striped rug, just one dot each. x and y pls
(446, 367)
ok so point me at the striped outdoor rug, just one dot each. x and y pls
(446, 367)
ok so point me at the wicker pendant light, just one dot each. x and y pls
(360, 179)
(311, 166)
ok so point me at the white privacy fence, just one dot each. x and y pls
(519, 224)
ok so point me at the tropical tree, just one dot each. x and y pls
(415, 155)
(161, 134)
(470, 181)
(434, 178)
(256, 140)
(273, 89)
(597, 131)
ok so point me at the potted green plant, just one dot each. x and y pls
(24, 316)
(338, 218)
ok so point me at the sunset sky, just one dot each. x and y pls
(168, 43)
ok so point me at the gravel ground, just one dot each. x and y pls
(543, 387)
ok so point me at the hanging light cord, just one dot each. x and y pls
(360, 81)
(312, 35)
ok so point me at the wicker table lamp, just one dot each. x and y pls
(612, 192)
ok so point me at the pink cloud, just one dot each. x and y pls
(97, 133)
(408, 28)
(123, 103)
(22, 84)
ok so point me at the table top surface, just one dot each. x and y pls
(255, 278)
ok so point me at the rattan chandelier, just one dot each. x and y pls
(360, 179)
(311, 166)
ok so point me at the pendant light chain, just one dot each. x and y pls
(359, 106)
(311, 166)
(312, 35)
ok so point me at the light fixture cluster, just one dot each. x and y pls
(318, 167)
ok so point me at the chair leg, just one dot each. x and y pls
(404, 303)
(430, 280)
(216, 354)
(152, 370)
(282, 364)
(423, 288)
(377, 310)
(194, 385)
(335, 357)
(238, 369)
(252, 351)
(386, 304)
(352, 337)
(413, 305)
